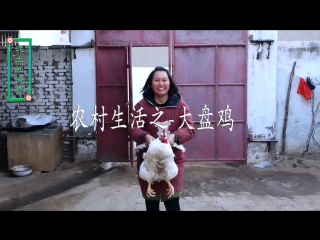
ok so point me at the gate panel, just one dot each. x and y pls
(111, 74)
(231, 144)
(210, 69)
(232, 65)
(209, 37)
(194, 74)
(135, 37)
(231, 90)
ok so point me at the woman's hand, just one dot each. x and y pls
(171, 139)
(148, 139)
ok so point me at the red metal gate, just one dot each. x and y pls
(210, 68)
(111, 88)
(114, 87)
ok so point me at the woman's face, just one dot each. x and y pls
(160, 83)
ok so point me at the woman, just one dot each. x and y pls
(160, 93)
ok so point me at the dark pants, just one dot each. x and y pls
(170, 205)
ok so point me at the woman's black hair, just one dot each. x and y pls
(173, 87)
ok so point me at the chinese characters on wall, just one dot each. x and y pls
(20, 61)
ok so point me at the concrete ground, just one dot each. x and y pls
(290, 184)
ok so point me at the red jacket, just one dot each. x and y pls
(184, 134)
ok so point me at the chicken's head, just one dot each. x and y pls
(163, 137)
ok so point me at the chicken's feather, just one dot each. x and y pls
(158, 162)
(145, 174)
(175, 145)
(172, 170)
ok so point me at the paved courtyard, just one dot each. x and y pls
(207, 187)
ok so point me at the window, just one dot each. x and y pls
(4, 34)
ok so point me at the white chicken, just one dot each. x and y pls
(158, 162)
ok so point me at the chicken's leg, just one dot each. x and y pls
(171, 189)
(150, 191)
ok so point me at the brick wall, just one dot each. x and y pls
(52, 85)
